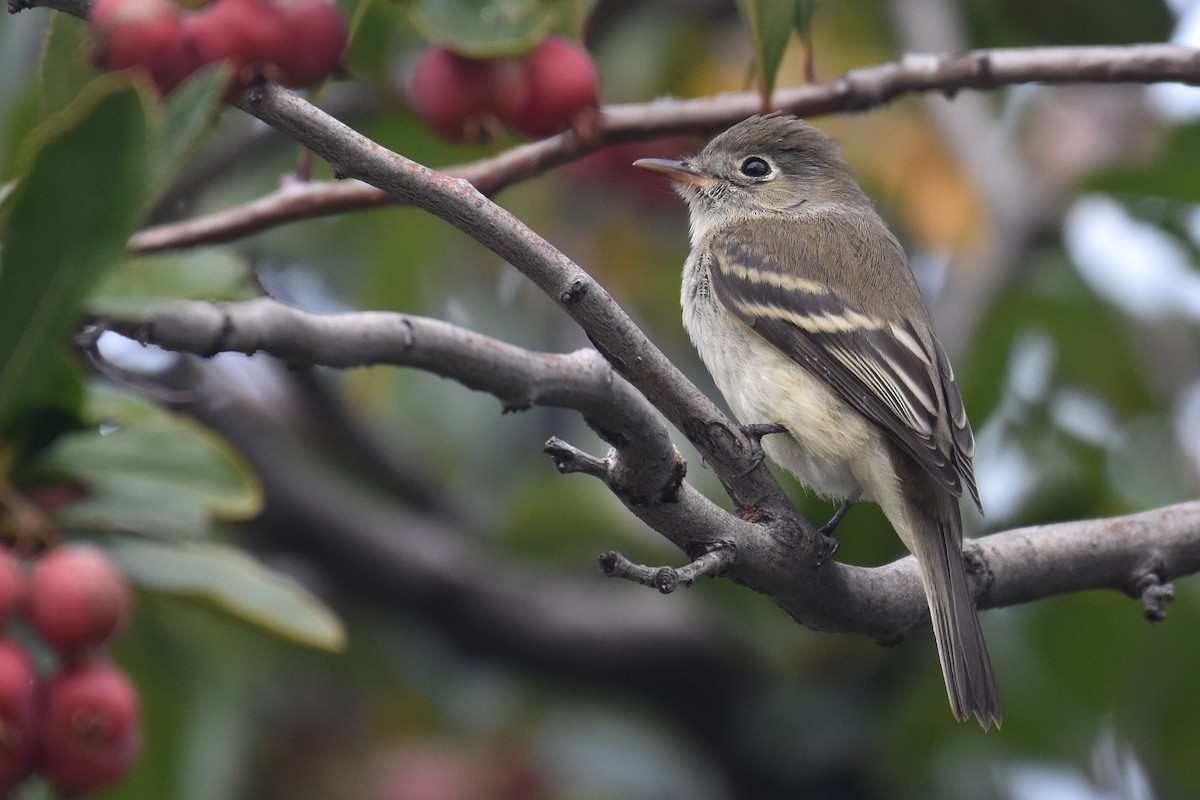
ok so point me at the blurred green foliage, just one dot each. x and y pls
(235, 707)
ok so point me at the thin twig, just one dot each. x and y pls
(668, 579)
(858, 90)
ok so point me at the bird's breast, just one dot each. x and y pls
(829, 444)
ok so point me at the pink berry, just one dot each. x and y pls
(145, 35)
(314, 36)
(562, 85)
(18, 715)
(466, 99)
(91, 727)
(246, 33)
(77, 599)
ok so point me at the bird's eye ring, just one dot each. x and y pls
(755, 167)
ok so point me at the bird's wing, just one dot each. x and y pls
(883, 368)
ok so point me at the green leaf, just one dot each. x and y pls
(148, 471)
(63, 71)
(484, 28)
(229, 579)
(573, 16)
(141, 283)
(81, 193)
(191, 111)
(18, 116)
(805, 11)
(770, 23)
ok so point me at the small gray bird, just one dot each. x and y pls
(803, 307)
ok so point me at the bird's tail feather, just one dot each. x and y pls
(966, 666)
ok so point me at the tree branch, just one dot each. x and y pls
(610, 329)
(644, 469)
(76, 8)
(667, 579)
(858, 90)
(1137, 554)
(643, 454)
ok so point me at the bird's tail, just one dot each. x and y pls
(937, 535)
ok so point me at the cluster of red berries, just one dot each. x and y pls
(293, 42)
(81, 726)
(548, 90)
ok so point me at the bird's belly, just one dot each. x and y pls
(828, 443)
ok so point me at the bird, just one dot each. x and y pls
(805, 311)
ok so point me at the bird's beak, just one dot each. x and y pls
(674, 170)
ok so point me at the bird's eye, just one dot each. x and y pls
(755, 167)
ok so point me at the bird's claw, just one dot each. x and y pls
(828, 528)
(755, 434)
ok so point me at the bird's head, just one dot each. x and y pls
(765, 165)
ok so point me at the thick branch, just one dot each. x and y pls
(857, 90)
(644, 459)
(1115, 553)
(1134, 554)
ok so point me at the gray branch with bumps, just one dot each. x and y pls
(1136, 554)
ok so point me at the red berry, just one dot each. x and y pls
(91, 727)
(77, 599)
(12, 584)
(145, 35)
(18, 714)
(314, 36)
(247, 33)
(466, 98)
(562, 85)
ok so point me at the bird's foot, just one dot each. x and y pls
(755, 434)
